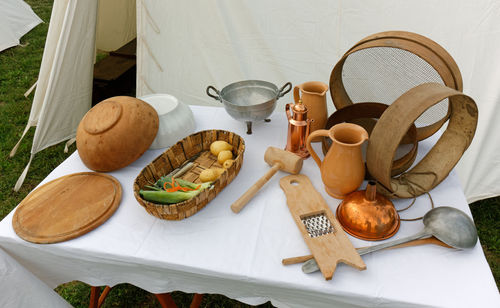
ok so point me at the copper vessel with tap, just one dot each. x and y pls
(298, 129)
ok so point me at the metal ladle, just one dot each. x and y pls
(448, 224)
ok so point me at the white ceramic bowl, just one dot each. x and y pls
(176, 119)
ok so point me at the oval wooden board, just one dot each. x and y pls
(67, 207)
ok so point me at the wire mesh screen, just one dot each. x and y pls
(382, 74)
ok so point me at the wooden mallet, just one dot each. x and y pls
(279, 160)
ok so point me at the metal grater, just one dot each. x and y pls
(320, 229)
(317, 225)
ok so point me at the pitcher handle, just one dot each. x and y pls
(288, 113)
(296, 94)
(314, 134)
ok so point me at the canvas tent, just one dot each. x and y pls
(184, 46)
(16, 19)
(64, 87)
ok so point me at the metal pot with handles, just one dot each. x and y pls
(249, 100)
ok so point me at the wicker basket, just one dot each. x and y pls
(175, 156)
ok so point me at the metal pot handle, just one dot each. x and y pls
(282, 91)
(216, 91)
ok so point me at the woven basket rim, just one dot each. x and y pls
(181, 209)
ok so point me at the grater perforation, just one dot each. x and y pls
(317, 225)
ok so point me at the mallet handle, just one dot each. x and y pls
(239, 204)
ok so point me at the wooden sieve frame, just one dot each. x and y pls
(441, 158)
(423, 47)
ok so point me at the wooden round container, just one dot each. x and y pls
(402, 60)
(116, 132)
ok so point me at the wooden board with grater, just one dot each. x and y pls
(320, 229)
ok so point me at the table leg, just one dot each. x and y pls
(103, 296)
(94, 296)
(96, 300)
(166, 300)
(197, 298)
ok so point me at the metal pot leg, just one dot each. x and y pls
(249, 127)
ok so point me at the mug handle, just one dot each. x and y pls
(314, 134)
(296, 94)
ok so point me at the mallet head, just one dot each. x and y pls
(288, 161)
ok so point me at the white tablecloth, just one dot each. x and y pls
(20, 288)
(239, 255)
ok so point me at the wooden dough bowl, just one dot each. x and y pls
(116, 132)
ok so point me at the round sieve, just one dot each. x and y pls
(435, 166)
(383, 66)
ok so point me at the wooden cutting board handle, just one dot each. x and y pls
(304, 200)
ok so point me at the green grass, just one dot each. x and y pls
(486, 215)
(18, 71)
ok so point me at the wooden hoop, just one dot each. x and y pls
(423, 47)
(440, 160)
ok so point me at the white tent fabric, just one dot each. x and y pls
(184, 46)
(116, 24)
(64, 88)
(182, 50)
(64, 91)
(16, 19)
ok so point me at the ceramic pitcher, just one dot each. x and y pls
(342, 169)
(313, 95)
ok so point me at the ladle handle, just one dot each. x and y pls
(424, 241)
(420, 234)
(311, 265)
(312, 136)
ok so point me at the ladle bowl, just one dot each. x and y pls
(450, 225)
